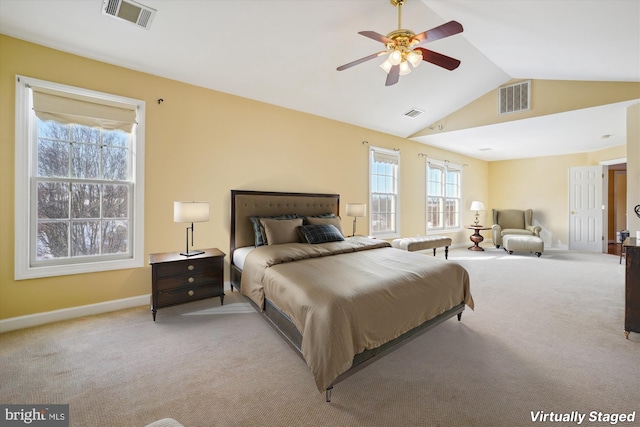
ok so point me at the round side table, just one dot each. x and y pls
(476, 237)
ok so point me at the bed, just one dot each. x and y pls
(340, 303)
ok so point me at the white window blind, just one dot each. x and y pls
(66, 109)
(391, 158)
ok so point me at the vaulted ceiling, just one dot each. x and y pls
(285, 53)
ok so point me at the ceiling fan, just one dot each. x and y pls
(403, 48)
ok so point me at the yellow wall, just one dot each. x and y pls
(200, 144)
(540, 184)
(633, 167)
(547, 97)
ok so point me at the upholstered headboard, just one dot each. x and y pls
(245, 204)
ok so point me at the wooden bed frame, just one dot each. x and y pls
(245, 204)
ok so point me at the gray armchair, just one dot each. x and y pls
(512, 221)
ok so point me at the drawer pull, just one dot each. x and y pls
(191, 293)
(191, 267)
(191, 280)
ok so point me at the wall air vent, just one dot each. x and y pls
(514, 98)
(130, 11)
(413, 113)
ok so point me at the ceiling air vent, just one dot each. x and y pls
(515, 97)
(413, 113)
(129, 11)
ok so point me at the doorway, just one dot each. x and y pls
(617, 205)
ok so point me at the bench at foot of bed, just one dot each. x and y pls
(420, 243)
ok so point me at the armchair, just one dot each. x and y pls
(512, 221)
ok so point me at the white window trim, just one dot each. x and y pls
(446, 165)
(397, 233)
(24, 165)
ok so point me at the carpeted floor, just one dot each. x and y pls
(546, 336)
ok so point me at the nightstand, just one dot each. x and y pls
(177, 279)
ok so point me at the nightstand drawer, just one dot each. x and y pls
(177, 296)
(187, 280)
(190, 267)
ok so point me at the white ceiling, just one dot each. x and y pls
(285, 52)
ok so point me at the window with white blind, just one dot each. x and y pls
(443, 195)
(384, 213)
(79, 180)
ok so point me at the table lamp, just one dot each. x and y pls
(356, 210)
(190, 212)
(477, 206)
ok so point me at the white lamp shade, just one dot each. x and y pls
(190, 211)
(404, 68)
(395, 57)
(357, 209)
(414, 58)
(386, 66)
(477, 206)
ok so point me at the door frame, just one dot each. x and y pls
(605, 198)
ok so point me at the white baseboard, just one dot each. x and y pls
(37, 319)
(28, 321)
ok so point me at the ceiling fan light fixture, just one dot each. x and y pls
(414, 58)
(386, 66)
(404, 68)
(403, 48)
(395, 57)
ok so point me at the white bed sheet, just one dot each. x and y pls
(240, 254)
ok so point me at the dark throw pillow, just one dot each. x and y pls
(320, 233)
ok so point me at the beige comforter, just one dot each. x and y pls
(346, 297)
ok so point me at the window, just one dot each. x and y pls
(384, 214)
(443, 195)
(79, 180)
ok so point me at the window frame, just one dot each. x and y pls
(396, 154)
(26, 135)
(446, 167)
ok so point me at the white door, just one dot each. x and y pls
(586, 209)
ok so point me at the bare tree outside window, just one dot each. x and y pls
(83, 191)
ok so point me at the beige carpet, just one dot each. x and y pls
(546, 335)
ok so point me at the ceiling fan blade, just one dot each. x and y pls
(376, 36)
(437, 33)
(361, 60)
(439, 59)
(393, 76)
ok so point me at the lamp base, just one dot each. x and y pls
(191, 253)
